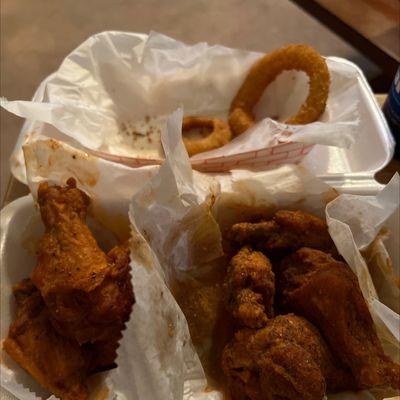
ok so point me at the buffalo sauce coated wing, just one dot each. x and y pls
(287, 359)
(88, 294)
(286, 231)
(102, 353)
(326, 292)
(57, 363)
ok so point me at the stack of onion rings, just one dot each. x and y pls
(265, 70)
(219, 136)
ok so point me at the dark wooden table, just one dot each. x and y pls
(371, 26)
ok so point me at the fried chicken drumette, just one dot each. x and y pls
(71, 314)
(287, 359)
(286, 231)
(326, 292)
(89, 294)
(250, 288)
(59, 364)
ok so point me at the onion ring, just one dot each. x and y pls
(219, 136)
(266, 69)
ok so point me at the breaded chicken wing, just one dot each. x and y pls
(287, 230)
(326, 292)
(209, 324)
(56, 362)
(89, 294)
(287, 359)
(250, 288)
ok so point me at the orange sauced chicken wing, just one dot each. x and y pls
(71, 314)
(326, 292)
(287, 359)
(286, 231)
(250, 288)
(88, 294)
(59, 364)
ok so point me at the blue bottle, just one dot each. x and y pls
(391, 109)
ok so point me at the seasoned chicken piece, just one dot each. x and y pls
(250, 288)
(287, 359)
(209, 324)
(248, 309)
(201, 306)
(326, 292)
(88, 293)
(102, 354)
(56, 362)
(287, 230)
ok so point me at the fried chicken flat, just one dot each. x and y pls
(89, 294)
(56, 362)
(102, 354)
(326, 292)
(287, 359)
(250, 288)
(287, 230)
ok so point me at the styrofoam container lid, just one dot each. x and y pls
(372, 151)
(349, 167)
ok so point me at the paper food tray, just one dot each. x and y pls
(122, 48)
(348, 170)
(21, 228)
(157, 209)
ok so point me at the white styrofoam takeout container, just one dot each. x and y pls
(353, 168)
(20, 229)
(348, 170)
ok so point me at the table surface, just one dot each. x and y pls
(376, 20)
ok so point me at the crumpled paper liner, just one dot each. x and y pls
(156, 358)
(160, 210)
(109, 186)
(116, 86)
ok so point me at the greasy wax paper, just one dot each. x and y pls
(112, 96)
(161, 210)
(177, 216)
(110, 187)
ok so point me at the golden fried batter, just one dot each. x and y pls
(220, 134)
(250, 288)
(287, 359)
(56, 362)
(248, 309)
(266, 69)
(88, 294)
(102, 354)
(209, 324)
(201, 306)
(287, 230)
(326, 292)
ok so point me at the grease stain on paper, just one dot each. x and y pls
(48, 156)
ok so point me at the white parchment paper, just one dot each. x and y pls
(161, 209)
(116, 86)
(177, 215)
